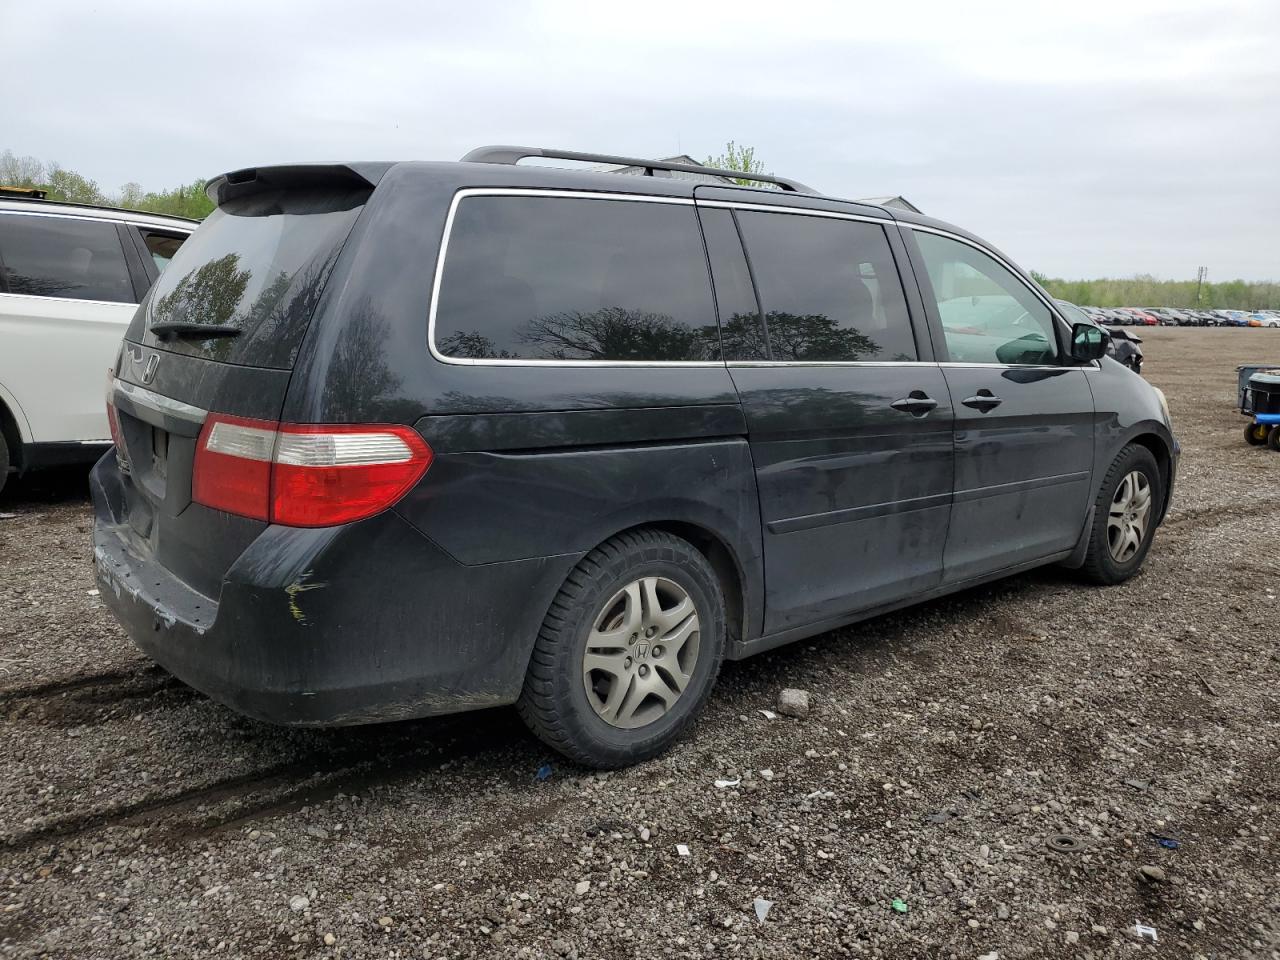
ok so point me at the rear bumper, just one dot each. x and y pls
(325, 627)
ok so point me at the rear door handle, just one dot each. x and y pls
(984, 401)
(917, 403)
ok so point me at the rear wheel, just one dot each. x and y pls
(4, 462)
(1255, 434)
(1124, 518)
(1273, 439)
(628, 653)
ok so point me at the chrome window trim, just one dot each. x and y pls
(37, 296)
(533, 192)
(160, 403)
(803, 211)
(188, 230)
(833, 363)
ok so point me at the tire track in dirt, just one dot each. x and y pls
(201, 811)
(94, 699)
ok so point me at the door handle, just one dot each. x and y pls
(984, 401)
(917, 403)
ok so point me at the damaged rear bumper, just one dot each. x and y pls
(334, 626)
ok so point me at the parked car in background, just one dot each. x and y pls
(71, 277)
(1121, 344)
(561, 463)
(1141, 316)
(1270, 318)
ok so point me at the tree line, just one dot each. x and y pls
(1145, 290)
(186, 200)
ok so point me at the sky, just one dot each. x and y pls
(1085, 139)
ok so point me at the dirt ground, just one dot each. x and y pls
(946, 746)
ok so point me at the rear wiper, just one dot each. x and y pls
(197, 331)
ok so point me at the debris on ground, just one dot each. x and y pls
(544, 773)
(1141, 785)
(899, 905)
(1146, 933)
(1169, 843)
(682, 849)
(768, 714)
(762, 908)
(793, 703)
(723, 784)
(1065, 843)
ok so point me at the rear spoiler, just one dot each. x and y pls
(251, 180)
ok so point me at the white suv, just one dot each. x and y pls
(71, 277)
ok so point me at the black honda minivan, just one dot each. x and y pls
(400, 439)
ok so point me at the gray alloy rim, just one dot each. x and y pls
(641, 652)
(1127, 519)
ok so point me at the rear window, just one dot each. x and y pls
(259, 263)
(557, 278)
(43, 256)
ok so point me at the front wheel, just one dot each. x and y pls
(1255, 434)
(628, 653)
(1124, 518)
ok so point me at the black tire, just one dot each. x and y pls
(554, 702)
(1100, 565)
(1255, 434)
(1273, 439)
(4, 462)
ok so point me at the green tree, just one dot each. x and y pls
(738, 158)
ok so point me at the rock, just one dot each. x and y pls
(993, 955)
(299, 903)
(793, 703)
(766, 774)
(1099, 929)
(1002, 911)
(1152, 874)
(582, 887)
(644, 834)
(330, 939)
(384, 922)
(1072, 937)
(320, 833)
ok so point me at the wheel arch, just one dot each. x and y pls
(11, 429)
(741, 619)
(1163, 453)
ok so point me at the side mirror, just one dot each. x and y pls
(1087, 342)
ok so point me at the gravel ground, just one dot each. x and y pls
(945, 746)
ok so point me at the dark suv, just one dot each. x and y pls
(407, 439)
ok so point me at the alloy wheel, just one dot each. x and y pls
(641, 652)
(1128, 517)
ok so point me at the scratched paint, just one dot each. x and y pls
(297, 588)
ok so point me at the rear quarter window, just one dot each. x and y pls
(49, 256)
(561, 278)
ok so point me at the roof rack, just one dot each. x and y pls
(512, 155)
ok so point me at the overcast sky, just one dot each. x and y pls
(1109, 138)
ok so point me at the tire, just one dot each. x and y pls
(565, 704)
(1273, 439)
(1103, 564)
(4, 462)
(1256, 434)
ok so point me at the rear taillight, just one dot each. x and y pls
(305, 475)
